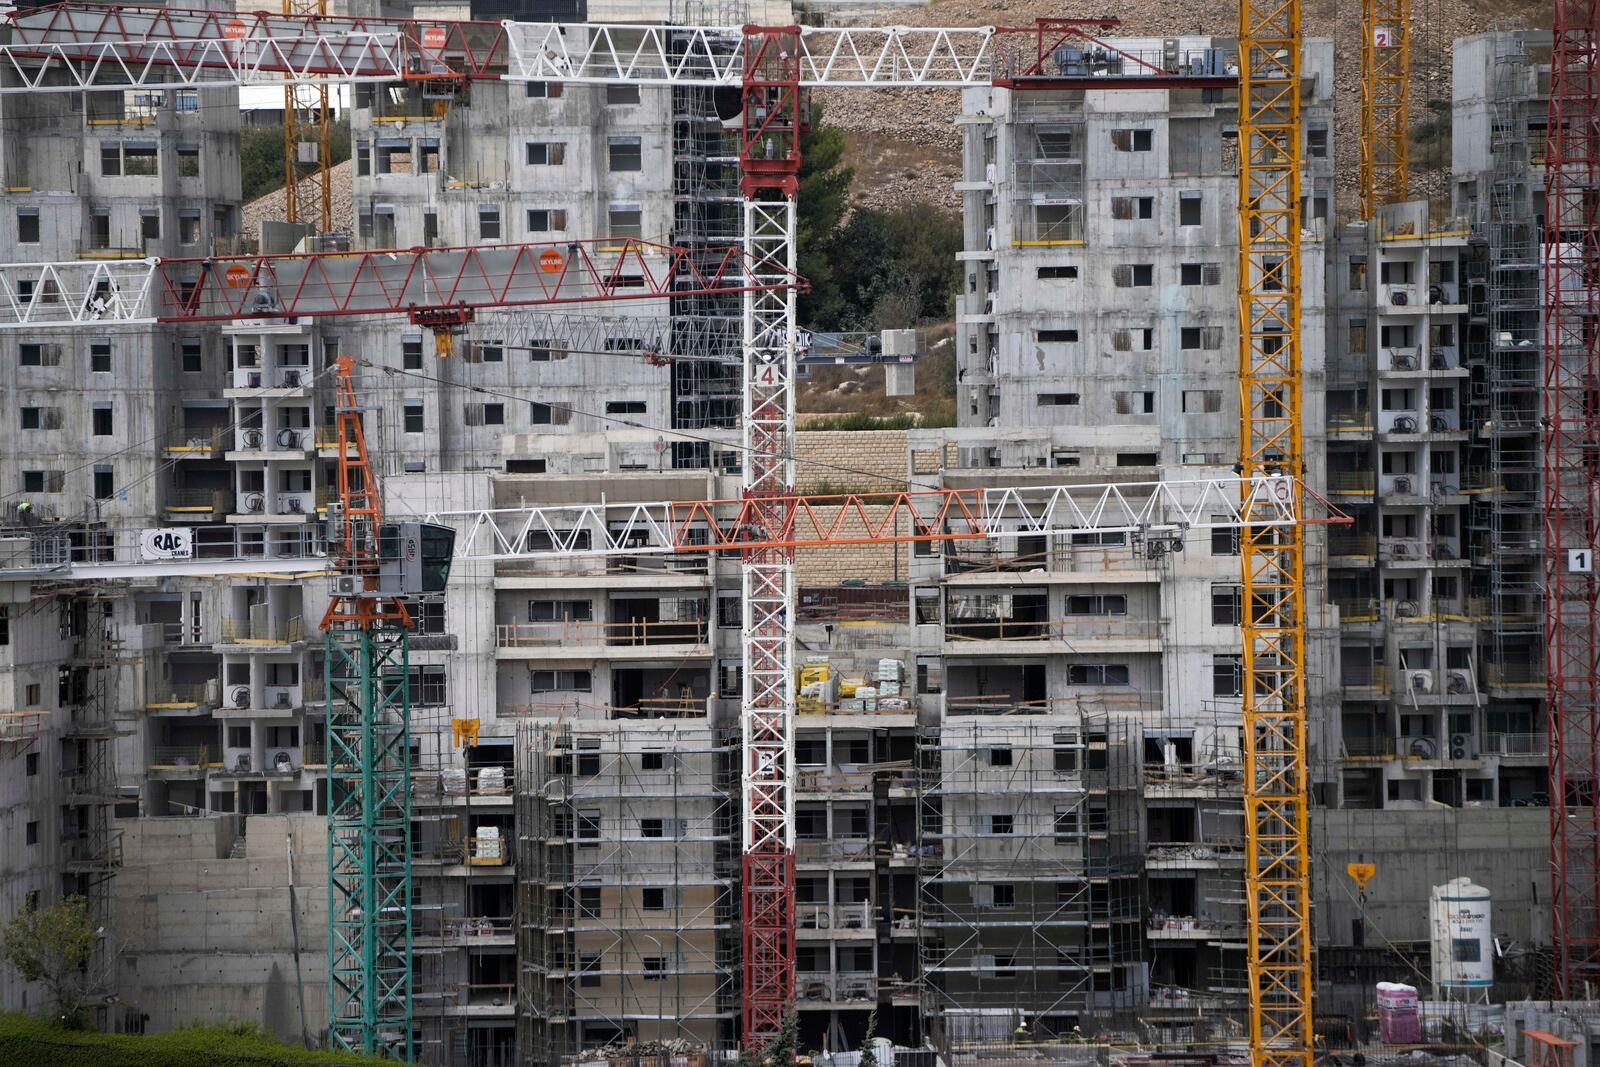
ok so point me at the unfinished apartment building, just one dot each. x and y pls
(1019, 782)
(1433, 449)
(1097, 341)
(93, 694)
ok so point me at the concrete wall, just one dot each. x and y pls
(1505, 850)
(207, 936)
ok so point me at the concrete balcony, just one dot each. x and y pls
(182, 698)
(199, 443)
(851, 850)
(1349, 424)
(470, 932)
(182, 761)
(198, 505)
(1357, 678)
(255, 634)
(1075, 635)
(493, 1001)
(1192, 928)
(636, 639)
(831, 989)
(834, 920)
(1533, 748)
(1351, 548)
(1211, 855)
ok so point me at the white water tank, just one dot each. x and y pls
(1463, 939)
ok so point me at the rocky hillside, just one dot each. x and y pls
(271, 206)
(906, 148)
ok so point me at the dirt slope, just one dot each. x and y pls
(906, 148)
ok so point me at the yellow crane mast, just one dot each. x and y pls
(1385, 98)
(1277, 875)
(307, 128)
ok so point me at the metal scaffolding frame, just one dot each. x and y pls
(1506, 516)
(1030, 855)
(628, 908)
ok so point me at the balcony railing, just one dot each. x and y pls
(96, 250)
(1351, 481)
(236, 632)
(1359, 609)
(820, 987)
(637, 632)
(1343, 544)
(200, 501)
(200, 443)
(181, 695)
(1516, 675)
(1516, 744)
(1368, 747)
(813, 850)
(184, 756)
(853, 916)
(1364, 676)
(464, 930)
(1070, 629)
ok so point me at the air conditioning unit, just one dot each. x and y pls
(1439, 361)
(346, 585)
(1421, 681)
(291, 379)
(1461, 747)
(1399, 297)
(1402, 484)
(294, 506)
(1459, 682)
(281, 699)
(254, 502)
(1405, 424)
(1441, 487)
(1435, 294)
(1399, 550)
(1403, 360)
(239, 696)
(1406, 609)
(252, 438)
(1422, 748)
(1438, 423)
(253, 380)
(288, 438)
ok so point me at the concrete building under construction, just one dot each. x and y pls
(1019, 765)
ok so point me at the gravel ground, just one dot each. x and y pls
(271, 206)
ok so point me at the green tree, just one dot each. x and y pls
(824, 195)
(869, 1058)
(53, 945)
(779, 1052)
(261, 156)
(893, 269)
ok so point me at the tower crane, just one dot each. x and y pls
(1571, 512)
(373, 565)
(307, 131)
(1385, 103)
(66, 48)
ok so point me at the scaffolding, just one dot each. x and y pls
(91, 845)
(628, 910)
(1047, 180)
(1505, 354)
(464, 931)
(1030, 864)
(707, 211)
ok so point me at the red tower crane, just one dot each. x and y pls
(1570, 470)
